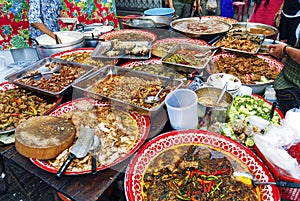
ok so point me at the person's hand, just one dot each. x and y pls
(276, 50)
(199, 9)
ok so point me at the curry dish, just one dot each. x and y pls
(193, 173)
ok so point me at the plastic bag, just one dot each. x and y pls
(211, 5)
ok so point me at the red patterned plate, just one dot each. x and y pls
(5, 86)
(240, 154)
(83, 55)
(143, 127)
(129, 35)
(161, 47)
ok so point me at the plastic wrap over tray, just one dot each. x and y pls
(198, 63)
(124, 92)
(53, 84)
(123, 49)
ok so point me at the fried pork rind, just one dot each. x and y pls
(248, 69)
(241, 40)
(117, 130)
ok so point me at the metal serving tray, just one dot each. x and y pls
(42, 66)
(103, 49)
(188, 68)
(87, 84)
(260, 36)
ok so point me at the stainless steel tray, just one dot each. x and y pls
(88, 84)
(188, 68)
(43, 66)
(261, 37)
(258, 28)
(123, 49)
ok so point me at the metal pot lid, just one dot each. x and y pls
(92, 32)
(67, 38)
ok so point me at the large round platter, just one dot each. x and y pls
(6, 86)
(202, 28)
(225, 19)
(242, 155)
(161, 47)
(142, 121)
(141, 35)
(258, 87)
(75, 55)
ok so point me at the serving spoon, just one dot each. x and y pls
(250, 180)
(94, 149)
(222, 94)
(201, 55)
(155, 99)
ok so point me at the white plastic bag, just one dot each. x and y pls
(211, 5)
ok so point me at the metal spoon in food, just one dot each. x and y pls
(155, 99)
(201, 55)
(250, 180)
(221, 94)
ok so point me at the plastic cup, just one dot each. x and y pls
(182, 109)
(245, 90)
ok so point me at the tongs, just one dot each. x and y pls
(53, 70)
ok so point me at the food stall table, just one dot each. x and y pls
(87, 187)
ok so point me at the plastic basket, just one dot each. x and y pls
(286, 193)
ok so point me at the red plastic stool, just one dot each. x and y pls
(241, 7)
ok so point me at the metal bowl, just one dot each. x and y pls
(257, 28)
(148, 21)
(181, 26)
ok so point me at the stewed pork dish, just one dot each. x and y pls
(190, 172)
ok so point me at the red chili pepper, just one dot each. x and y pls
(209, 186)
(204, 187)
(15, 115)
(17, 101)
(196, 192)
(193, 199)
(198, 172)
(220, 172)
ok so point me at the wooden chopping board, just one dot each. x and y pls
(44, 137)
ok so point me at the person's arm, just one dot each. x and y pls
(199, 8)
(35, 20)
(170, 3)
(282, 50)
(278, 13)
(44, 29)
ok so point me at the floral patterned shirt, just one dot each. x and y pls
(46, 12)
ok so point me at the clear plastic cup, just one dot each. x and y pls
(182, 109)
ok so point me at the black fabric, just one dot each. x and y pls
(287, 29)
(291, 7)
(288, 98)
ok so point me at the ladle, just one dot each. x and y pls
(222, 94)
(155, 99)
(250, 180)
